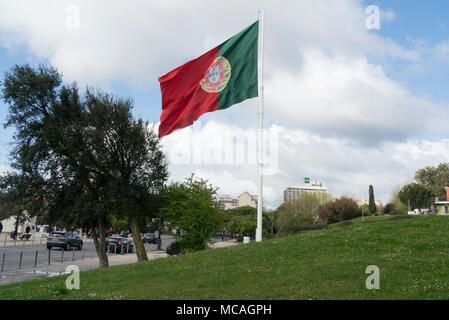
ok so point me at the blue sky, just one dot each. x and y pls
(350, 106)
(415, 21)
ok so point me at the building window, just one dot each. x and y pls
(446, 210)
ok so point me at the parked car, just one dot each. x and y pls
(64, 240)
(119, 244)
(124, 234)
(149, 238)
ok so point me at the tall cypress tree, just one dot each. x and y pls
(372, 204)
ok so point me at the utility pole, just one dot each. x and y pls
(260, 131)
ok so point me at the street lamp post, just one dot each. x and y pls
(159, 240)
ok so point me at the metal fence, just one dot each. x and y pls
(32, 258)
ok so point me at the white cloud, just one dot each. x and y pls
(317, 74)
(325, 95)
(349, 98)
(137, 41)
(343, 166)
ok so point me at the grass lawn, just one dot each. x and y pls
(412, 255)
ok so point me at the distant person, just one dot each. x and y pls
(1, 227)
(27, 229)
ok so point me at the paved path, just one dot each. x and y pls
(223, 244)
(59, 268)
(43, 271)
(29, 256)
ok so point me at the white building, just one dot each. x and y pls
(9, 225)
(228, 202)
(292, 193)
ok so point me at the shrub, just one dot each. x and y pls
(364, 210)
(339, 210)
(174, 248)
(242, 221)
(191, 207)
(389, 208)
(292, 216)
(419, 196)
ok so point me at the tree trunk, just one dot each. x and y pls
(138, 243)
(100, 246)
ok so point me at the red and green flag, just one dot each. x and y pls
(218, 79)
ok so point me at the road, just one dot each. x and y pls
(12, 254)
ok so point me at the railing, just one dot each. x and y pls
(21, 259)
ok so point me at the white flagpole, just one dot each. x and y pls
(260, 134)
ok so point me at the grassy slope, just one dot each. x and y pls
(412, 254)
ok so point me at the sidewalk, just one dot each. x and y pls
(224, 244)
(44, 271)
(59, 268)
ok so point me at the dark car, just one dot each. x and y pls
(119, 245)
(149, 238)
(65, 240)
(124, 234)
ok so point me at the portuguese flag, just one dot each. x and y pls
(221, 77)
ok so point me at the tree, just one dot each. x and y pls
(120, 224)
(420, 196)
(372, 203)
(51, 148)
(435, 178)
(389, 208)
(399, 207)
(338, 210)
(130, 158)
(90, 160)
(364, 209)
(243, 221)
(191, 207)
(272, 216)
(16, 197)
(292, 216)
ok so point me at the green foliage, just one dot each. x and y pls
(243, 221)
(389, 208)
(339, 210)
(364, 210)
(120, 224)
(399, 207)
(332, 264)
(293, 216)
(174, 248)
(89, 159)
(372, 203)
(420, 196)
(435, 178)
(191, 206)
(242, 211)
